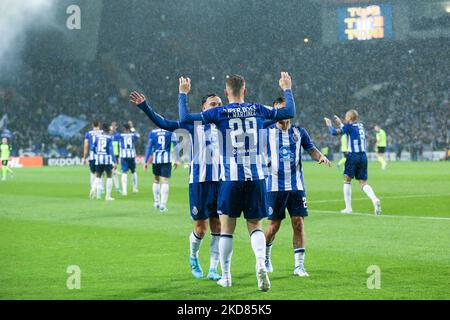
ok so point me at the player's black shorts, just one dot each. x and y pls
(294, 201)
(344, 154)
(162, 169)
(100, 168)
(5, 163)
(249, 197)
(128, 164)
(356, 165)
(203, 199)
(381, 149)
(92, 166)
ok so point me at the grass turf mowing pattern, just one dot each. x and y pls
(128, 250)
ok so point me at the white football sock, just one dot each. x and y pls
(116, 180)
(124, 183)
(103, 182)
(135, 181)
(299, 257)
(156, 191)
(109, 185)
(98, 182)
(164, 194)
(348, 195)
(369, 191)
(214, 250)
(93, 181)
(268, 250)
(225, 252)
(258, 241)
(195, 243)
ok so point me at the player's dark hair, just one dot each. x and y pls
(105, 128)
(235, 83)
(96, 123)
(279, 100)
(127, 127)
(205, 98)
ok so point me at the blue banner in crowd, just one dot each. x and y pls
(65, 126)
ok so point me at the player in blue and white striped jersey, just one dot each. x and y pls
(285, 187)
(158, 153)
(89, 139)
(127, 145)
(242, 186)
(104, 162)
(203, 180)
(356, 163)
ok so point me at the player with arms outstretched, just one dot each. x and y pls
(285, 186)
(356, 163)
(203, 180)
(242, 187)
(128, 141)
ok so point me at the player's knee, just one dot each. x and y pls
(274, 226)
(298, 224)
(157, 180)
(214, 224)
(200, 228)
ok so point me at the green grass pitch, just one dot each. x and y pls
(127, 250)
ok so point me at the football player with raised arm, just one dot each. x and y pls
(356, 163)
(285, 186)
(203, 180)
(242, 187)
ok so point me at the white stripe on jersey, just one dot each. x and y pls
(297, 152)
(260, 163)
(201, 137)
(273, 145)
(286, 164)
(233, 169)
(356, 146)
(247, 166)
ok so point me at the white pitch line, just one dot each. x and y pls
(388, 197)
(382, 215)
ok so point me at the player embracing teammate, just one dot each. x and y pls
(242, 187)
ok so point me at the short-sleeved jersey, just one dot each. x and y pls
(344, 146)
(128, 145)
(284, 155)
(159, 145)
(90, 136)
(356, 136)
(5, 150)
(103, 149)
(240, 125)
(381, 138)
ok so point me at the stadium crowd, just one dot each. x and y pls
(402, 86)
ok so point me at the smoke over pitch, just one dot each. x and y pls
(16, 18)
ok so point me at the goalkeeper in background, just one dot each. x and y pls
(5, 153)
(381, 146)
(344, 150)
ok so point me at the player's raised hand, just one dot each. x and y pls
(338, 120)
(324, 160)
(185, 85)
(285, 81)
(327, 121)
(136, 97)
